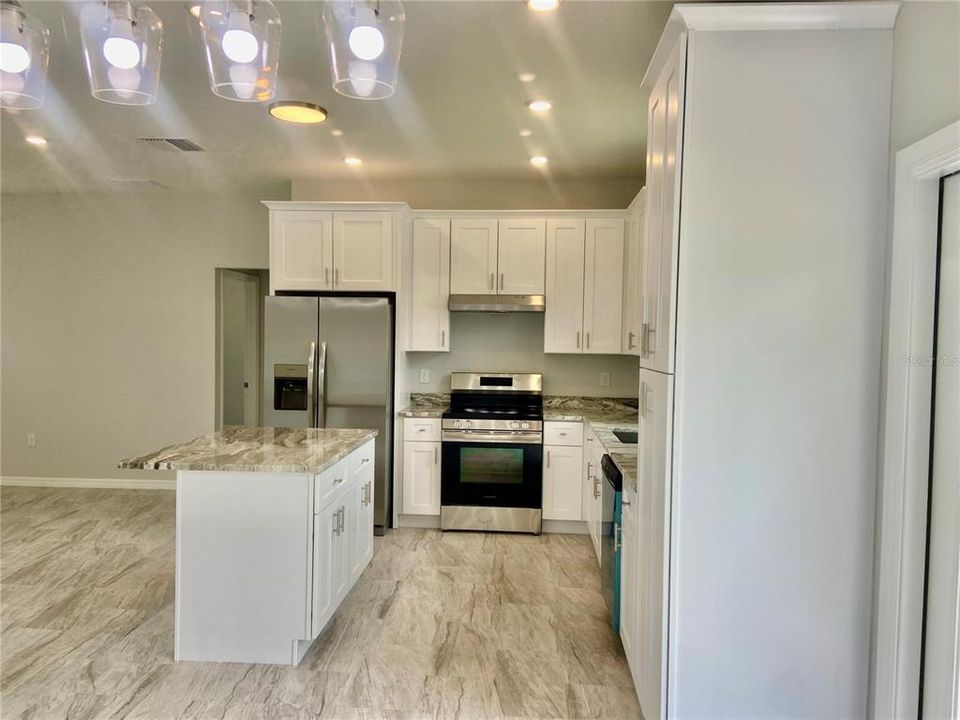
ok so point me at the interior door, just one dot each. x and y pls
(301, 250)
(603, 287)
(473, 257)
(239, 307)
(563, 318)
(520, 256)
(941, 665)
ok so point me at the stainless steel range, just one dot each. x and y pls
(492, 471)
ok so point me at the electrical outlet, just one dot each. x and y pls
(31, 439)
(424, 376)
(604, 379)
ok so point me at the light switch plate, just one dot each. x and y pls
(604, 379)
(424, 376)
(31, 439)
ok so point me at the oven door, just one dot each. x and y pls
(491, 473)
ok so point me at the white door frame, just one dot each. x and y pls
(906, 428)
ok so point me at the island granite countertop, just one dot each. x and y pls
(256, 449)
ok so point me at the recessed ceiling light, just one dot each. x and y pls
(337, 133)
(539, 106)
(526, 77)
(526, 133)
(539, 160)
(195, 9)
(296, 111)
(543, 5)
(353, 161)
(36, 140)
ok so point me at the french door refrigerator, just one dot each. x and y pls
(328, 363)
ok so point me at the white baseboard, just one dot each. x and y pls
(575, 527)
(110, 483)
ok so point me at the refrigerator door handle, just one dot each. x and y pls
(322, 387)
(311, 356)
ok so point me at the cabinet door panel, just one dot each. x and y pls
(365, 525)
(340, 561)
(301, 250)
(324, 547)
(603, 287)
(563, 319)
(655, 468)
(664, 154)
(473, 257)
(421, 478)
(363, 251)
(521, 256)
(629, 585)
(562, 483)
(633, 280)
(429, 317)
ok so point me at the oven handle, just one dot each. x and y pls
(492, 436)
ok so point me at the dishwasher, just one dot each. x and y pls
(610, 544)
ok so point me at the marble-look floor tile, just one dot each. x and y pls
(458, 626)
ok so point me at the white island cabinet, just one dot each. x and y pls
(274, 526)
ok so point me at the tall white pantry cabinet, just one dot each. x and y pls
(763, 263)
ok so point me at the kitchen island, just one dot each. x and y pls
(274, 526)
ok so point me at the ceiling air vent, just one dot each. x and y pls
(178, 143)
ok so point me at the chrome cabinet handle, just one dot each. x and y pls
(578, 339)
(365, 461)
(343, 518)
(548, 459)
(336, 523)
(436, 455)
(336, 276)
(625, 503)
(588, 340)
(443, 338)
(501, 281)
(644, 390)
(647, 348)
(337, 481)
(491, 281)
(326, 276)
(630, 337)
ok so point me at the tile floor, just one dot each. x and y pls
(456, 625)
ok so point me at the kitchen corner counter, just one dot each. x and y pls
(426, 405)
(256, 449)
(597, 411)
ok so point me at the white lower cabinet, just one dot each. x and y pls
(342, 535)
(562, 484)
(421, 467)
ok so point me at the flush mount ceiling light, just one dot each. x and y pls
(36, 140)
(24, 54)
(539, 160)
(543, 5)
(539, 106)
(526, 77)
(295, 111)
(353, 161)
(526, 133)
(122, 45)
(242, 43)
(365, 38)
(337, 133)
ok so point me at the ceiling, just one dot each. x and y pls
(457, 112)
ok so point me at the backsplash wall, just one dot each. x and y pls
(513, 342)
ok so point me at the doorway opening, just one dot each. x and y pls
(239, 345)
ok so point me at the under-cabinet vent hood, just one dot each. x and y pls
(497, 303)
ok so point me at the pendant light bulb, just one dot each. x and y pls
(366, 40)
(124, 80)
(239, 44)
(119, 49)
(14, 58)
(363, 78)
(244, 80)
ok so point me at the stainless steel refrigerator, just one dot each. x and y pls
(328, 362)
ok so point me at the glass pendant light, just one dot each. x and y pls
(24, 54)
(122, 44)
(365, 38)
(242, 42)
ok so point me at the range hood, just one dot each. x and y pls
(497, 303)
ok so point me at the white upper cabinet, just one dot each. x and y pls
(363, 251)
(563, 318)
(430, 286)
(473, 257)
(633, 278)
(584, 297)
(301, 250)
(603, 286)
(322, 250)
(665, 137)
(520, 258)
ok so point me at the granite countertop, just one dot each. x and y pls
(256, 449)
(426, 405)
